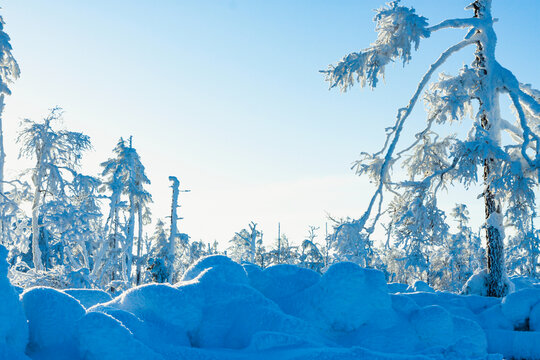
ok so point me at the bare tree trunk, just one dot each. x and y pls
(494, 242)
(174, 227)
(253, 241)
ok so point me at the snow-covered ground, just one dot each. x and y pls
(222, 310)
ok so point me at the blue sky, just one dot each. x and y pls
(226, 95)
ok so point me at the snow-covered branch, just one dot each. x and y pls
(399, 30)
(454, 23)
(403, 114)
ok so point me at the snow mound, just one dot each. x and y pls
(254, 273)
(523, 282)
(420, 285)
(13, 326)
(469, 338)
(397, 288)
(89, 297)
(101, 337)
(280, 282)
(477, 303)
(268, 340)
(162, 338)
(493, 318)
(534, 318)
(163, 304)
(517, 306)
(434, 326)
(476, 285)
(233, 313)
(403, 304)
(226, 270)
(514, 344)
(347, 297)
(51, 316)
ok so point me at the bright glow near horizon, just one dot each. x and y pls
(226, 96)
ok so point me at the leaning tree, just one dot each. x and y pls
(507, 168)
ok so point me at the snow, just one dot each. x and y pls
(13, 326)
(514, 344)
(434, 326)
(517, 306)
(226, 270)
(420, 286)
(89, 297)
(223, 310)
(347, 297)
(102, 337)
(397, 287)
(493, 318)
(469, 337)
(281, 283)
(476, 285)
(51, 316)
(534, 318)
(161, 303)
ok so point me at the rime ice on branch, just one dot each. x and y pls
(509, 170)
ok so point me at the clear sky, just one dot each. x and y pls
(226, 95)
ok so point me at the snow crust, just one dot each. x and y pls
(223, 310)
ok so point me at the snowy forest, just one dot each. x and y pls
(88, 272)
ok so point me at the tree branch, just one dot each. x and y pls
(454, 23)
(403, 114)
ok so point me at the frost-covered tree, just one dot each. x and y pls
(350, 244)
(523, 245)
(125, 180)
(310, 255)
(9, 71)
(391, 264)
(244, 244)
(159, 259)
(55, 152)
(16, 227)
(459, 255)
(283, 252)
(262, 258)
(418, 227)
(73, 218)
(506, 168)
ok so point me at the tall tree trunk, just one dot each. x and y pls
(494, 241)
(174, 227)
